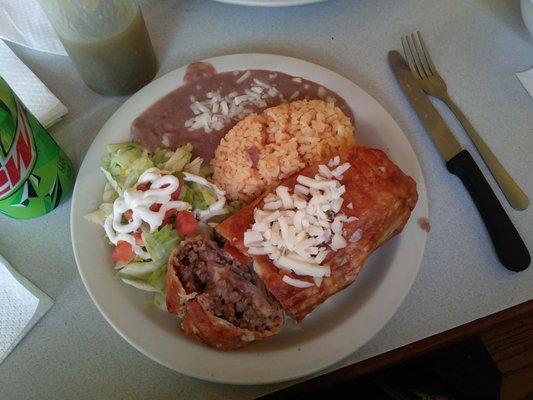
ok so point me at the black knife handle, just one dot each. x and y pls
(510, 247)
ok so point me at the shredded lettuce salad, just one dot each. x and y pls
(122, 166)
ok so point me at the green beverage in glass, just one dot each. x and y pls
(35, 174)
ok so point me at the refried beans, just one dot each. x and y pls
(162, 125)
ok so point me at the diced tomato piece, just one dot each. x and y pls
(143, 187)
(155, 207)
(186, 224)
(138, 238)
(127, 214)
(176, 194)
(123, 252)
(169, 215)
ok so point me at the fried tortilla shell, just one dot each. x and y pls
(219, 302)
(378, 193)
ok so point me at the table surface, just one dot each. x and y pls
(477, 45)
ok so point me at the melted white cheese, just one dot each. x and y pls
(296, 282)
(297, 230)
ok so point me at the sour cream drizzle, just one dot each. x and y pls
(139, 202)
(217, 207)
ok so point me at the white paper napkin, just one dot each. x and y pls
(526, 77)
(32, 92)
(22, 304)
(25, 23)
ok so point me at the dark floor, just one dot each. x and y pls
(511, 348)
(495, 364)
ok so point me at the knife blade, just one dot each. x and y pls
(438, 129)
(509, 246)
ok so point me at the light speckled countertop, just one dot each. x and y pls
(477, 45)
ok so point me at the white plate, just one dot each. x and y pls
(333, 331)
(270, 3)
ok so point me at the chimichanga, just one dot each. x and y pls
(377, 203)
(217, 299)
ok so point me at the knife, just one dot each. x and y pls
(509, 246)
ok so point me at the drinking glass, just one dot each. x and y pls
(107, 40)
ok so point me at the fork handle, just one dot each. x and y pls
(509, 246)
(514, 194)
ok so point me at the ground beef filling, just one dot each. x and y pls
(241, 303)
(225, 288)
(194, 263)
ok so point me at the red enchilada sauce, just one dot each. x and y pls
(163, 123)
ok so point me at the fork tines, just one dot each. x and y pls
(417, 56)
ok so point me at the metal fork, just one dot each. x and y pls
(432, 83)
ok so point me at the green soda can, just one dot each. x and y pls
(35, 174)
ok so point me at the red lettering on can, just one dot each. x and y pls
(24, 148)
(4, 183)
(13, 170)
(19, 160)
